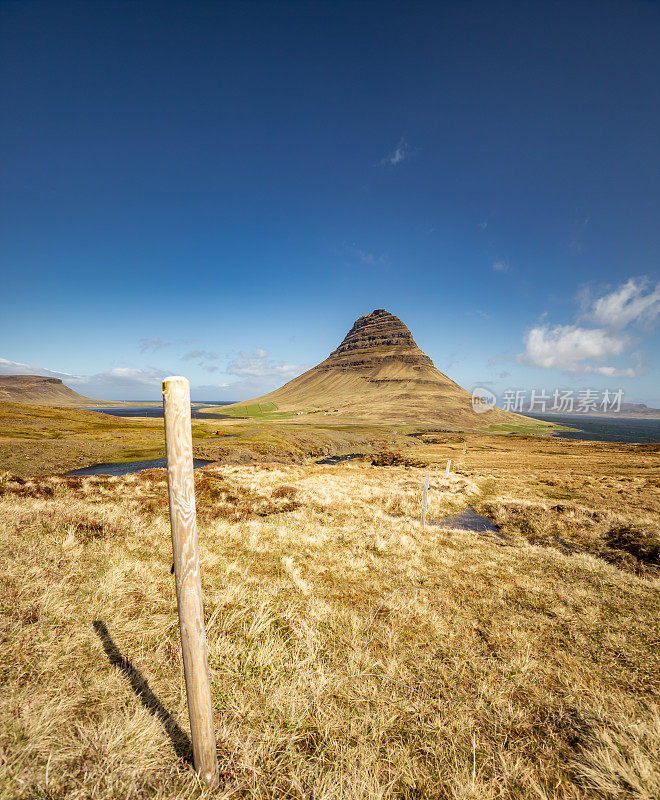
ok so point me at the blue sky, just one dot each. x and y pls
(220, 189)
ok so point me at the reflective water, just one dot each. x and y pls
(468, 520)
(155, 411)
(604, 429)
(337, 459)
(128, 467)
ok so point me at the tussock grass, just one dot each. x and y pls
(484, 671)
(40, 441)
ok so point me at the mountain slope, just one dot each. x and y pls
(40, 390)
(379, 372)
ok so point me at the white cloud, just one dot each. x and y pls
(399, 154)
(570, 348)
(210, 390)
(122, 383)
(257, 375)
(501, 266)
(202, 357)
(258, 365)
(152, 344)
(108, 385)
(8, 367)
(578, 349)
(122, 374)
(633, 302)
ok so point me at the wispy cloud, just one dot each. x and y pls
(501, 266)
(576, 243)
(128, 377)
(399, 154)
(201, 355)
(9, 367)
(258, 365)
(119, 383)
(500, 358)
(123, 377)
(366, 257)
(634, 301)
(211, 388)
(153, 345)
(578, 349)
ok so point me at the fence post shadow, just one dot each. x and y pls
(179, 738)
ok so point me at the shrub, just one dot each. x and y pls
(285, 491)
(643, 545)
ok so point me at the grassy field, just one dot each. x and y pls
(444, 663)
(255, 411)
(533, 428)
(37, 440)
(497, 667)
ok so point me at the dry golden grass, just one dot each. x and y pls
(485, 671)
(38, 441)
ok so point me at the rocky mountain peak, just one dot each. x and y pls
(377, 337)
(378, 329)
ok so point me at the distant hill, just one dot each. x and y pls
(639, 410)
(379, 373)
(41, 390)
(627, 411)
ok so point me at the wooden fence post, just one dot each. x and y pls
(181, 485)
(425, 492)
(447, 471)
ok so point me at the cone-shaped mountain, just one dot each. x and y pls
(379, 373)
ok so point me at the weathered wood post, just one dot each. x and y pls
(425, 492)
(181, 485)
(447, 471)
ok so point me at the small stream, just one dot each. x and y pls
(338, 459)
(469, 520)
(129, 467)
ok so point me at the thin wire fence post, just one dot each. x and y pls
(425, 492)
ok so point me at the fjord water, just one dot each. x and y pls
(157, 411)
(604, 429)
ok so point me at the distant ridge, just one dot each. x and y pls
(625, 411)
(41, 390)
(379, 373)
